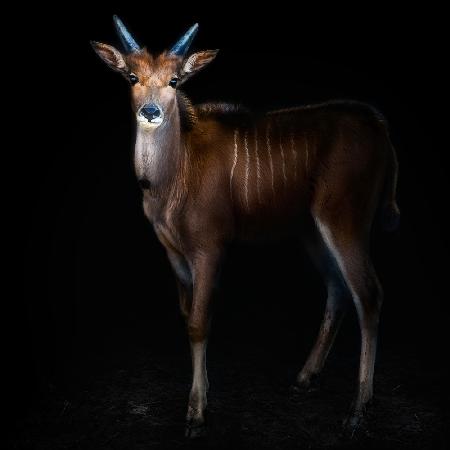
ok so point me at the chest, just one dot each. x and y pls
(148, 159)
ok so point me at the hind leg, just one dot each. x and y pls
(336, 305)
(334, 313)
(349, 246)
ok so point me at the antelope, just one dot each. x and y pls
(216, 173)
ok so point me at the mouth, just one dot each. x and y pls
(149, 121)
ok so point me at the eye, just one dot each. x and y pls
(133, 79)
(173, 82)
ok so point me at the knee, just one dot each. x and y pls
(334, 313)
(197, 331)
(368, 297)
(369, 308)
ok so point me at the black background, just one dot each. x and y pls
(94, 283)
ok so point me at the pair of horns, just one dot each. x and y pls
(131, 46)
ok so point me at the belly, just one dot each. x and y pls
(279, 217)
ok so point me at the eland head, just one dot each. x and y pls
(154, 79)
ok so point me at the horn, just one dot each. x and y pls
(182, 46)
(128, 42)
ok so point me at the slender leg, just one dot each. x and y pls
(336, 305)
(194, 301)
(334, 313)
(204, 275)
(351, 254)
(195, 418)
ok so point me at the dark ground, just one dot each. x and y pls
(125, 382)
(96, 353)
(138, 400)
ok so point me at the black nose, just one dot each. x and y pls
(150, 111)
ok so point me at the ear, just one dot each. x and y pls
(196, 62)
(110, 56)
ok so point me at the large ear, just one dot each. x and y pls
(110, 56)
(196, 62)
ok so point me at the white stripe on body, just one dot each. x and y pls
(247, 167)
(236, 134)
(269, 152)
(294, 155)
(258, 168)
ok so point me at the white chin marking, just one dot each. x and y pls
(145, 123)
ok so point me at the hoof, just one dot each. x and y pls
(355, 426)
(195, 428)
(302, 387)
(195, 432)
(296, 390)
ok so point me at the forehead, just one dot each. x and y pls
(144, 64)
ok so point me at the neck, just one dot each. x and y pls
(158, 153)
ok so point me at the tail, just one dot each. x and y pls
(390, 212)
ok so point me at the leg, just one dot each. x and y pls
(336, 305)
(196, 315)
(198, 321)
(334, 313)
(350, 251)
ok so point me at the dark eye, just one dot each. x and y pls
(133, 79)
(173, 82)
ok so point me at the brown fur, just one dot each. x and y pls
(318, 173)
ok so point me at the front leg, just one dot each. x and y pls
(205, 269)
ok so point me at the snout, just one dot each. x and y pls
(151, 114)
